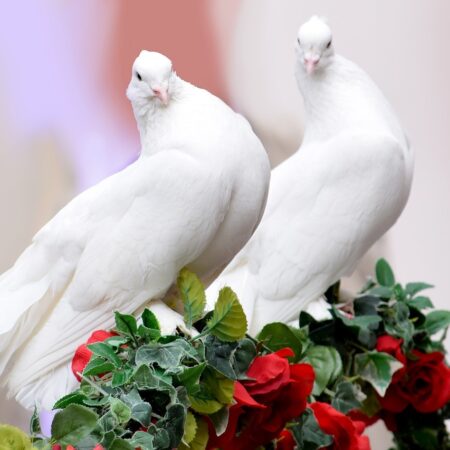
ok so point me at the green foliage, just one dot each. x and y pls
(327, 365)
(193, 295)
(276, 336)
(384, 273)
(228, 322)
(308, 434)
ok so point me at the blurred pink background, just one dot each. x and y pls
(65, 122)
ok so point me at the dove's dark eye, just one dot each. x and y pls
(138, 76)
(329, 44)
(298, 40)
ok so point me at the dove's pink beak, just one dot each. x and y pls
(162, 94)
(311, 63)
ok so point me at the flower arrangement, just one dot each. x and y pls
(312, 386)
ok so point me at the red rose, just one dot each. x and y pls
(83, 354)
(285, 441)
(346, 432)
(424, 382)
(276, 393)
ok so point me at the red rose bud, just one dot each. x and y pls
(275, 394)
(346, 432)
(424, 382)
(83, 354)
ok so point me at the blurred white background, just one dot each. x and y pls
(65, 122)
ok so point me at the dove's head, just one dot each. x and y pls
(314, 45)
(151, 79)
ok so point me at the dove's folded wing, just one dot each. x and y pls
(325, 218)
(148, 224)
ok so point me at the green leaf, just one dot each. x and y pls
(220, 420)
(190, 428)
(221, 387)
(173, 423)
(346, 397)
(141, 412)
(35, 425)
(116, 341)
(242, 357)
(377, 368)
(165, 355)
(121, 377)
(363, 326)
(413, 288)
(193, 295)
(12, 438)
(201, 438)
(73, 424)
(190, 376)
(97, 366)
(220, 355)
(384, 273)
(149, 320)
(420, 302)
(309, 435)
(327, 365)
(381, 291)
(204, 405)
(142, 440)
(148, 333)
(105, 351)
(120, 444)
(228, 321)
(126, 324)
(436, 321)
(75, 397)
(278, 335)
(120, 411)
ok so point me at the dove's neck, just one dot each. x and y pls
(343, 98)
(154, 119)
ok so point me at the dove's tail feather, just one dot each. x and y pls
(240, 280)
(26, 296)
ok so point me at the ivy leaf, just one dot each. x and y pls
(346, 397)
(220, 356)
(165, 355)
(278, 335)
(193, 295)
(228, 321)
(12, 438)
(436, 321)
(105, 351)
(363, 326)
(73, 424)
(377, 368)
(420, 302)
(121, 377)
(308, 434)
(242, 357)
(126, 324)
(120, 444)
(149, 320)
(327, 365)
(142, 440)
(220, 420)
(384, 273)
(412, 289)
(173, 423)
(120, 411)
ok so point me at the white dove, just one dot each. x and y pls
(193, 198)
(330, 201)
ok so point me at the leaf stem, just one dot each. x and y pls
(95, 386)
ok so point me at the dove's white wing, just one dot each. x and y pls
(112, 248)
(327, 205)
